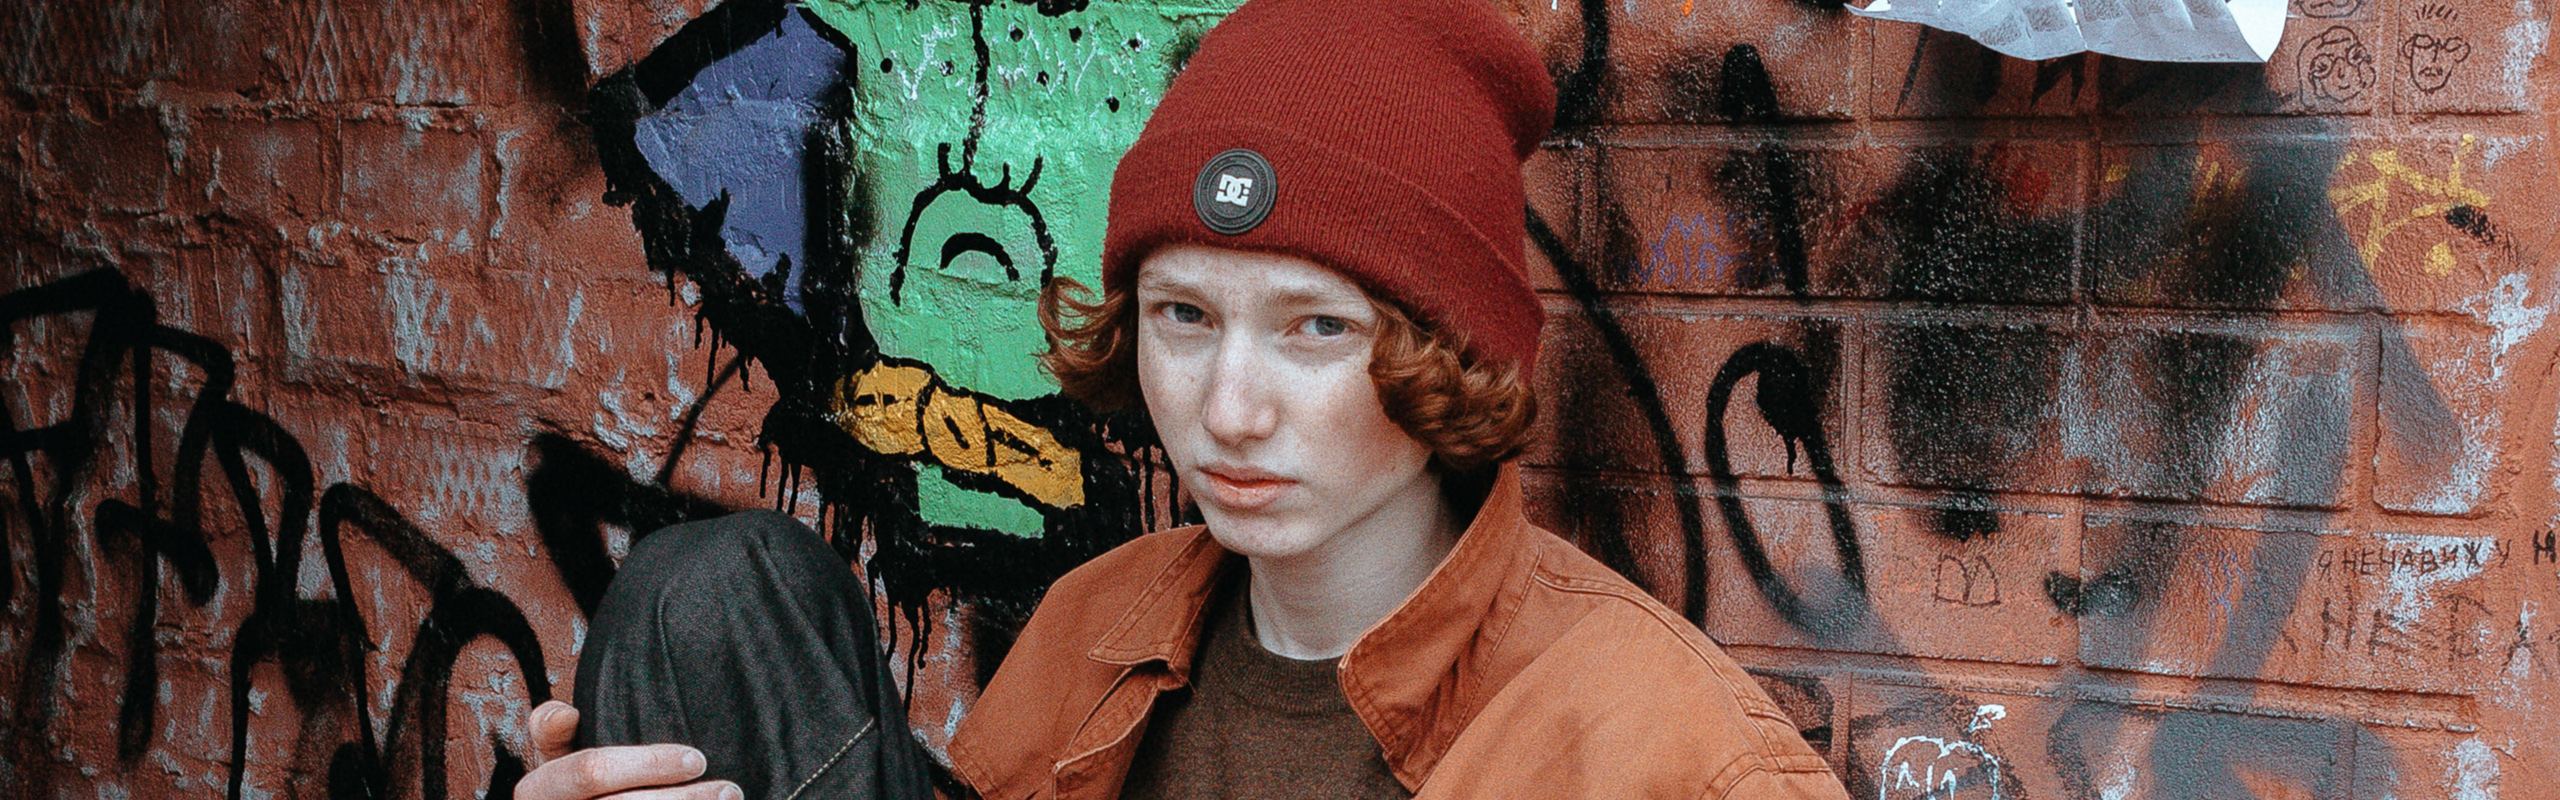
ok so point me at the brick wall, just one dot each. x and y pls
(2085, 428)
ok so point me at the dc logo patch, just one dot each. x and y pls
(1234, 191)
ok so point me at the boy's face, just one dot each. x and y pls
(1255, 368)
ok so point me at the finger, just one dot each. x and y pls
(706, 790)
(599, 771)
(554, 726)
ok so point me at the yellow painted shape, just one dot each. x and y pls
(2440, 259)
(905, 410)
(880, 409)
(1029, 458)
(953, 430)
(2438, 196)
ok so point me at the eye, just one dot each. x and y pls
(1185, 313)
(1326, 326)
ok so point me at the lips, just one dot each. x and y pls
(1244, 488)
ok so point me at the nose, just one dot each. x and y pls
(1239, 406)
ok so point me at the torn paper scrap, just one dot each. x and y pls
(2150, 30)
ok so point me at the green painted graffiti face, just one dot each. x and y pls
(983, 143)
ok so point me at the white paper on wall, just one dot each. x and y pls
(2150, 30)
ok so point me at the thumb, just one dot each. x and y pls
(554, 726)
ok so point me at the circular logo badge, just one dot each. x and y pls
(1234, 191)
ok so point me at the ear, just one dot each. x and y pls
(2460, 49)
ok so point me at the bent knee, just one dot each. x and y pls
(730, 555)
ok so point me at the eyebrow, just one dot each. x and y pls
(1301, 298)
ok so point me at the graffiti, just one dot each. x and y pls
(1958, 768)
(1686, 250)
(2455, 629)
(903, 409)
(1972, 409)
(320, 640)
(1783, 399)
(937, 440)
(2431, 59)
(2017, 375)
(2445, 198)
(1967, 583)
(2335, 65)
(2421, 560)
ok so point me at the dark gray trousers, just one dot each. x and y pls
(749, 639)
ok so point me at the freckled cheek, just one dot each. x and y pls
(1167, 384)
(1349, 418)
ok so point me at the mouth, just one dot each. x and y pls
(1244, 488)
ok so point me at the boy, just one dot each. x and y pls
(1313, 283)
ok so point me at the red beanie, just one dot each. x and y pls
(1382, 138)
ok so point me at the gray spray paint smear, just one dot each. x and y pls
(741, 127)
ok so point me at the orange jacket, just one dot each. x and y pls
(1520, 668)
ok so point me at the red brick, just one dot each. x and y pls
(2448, 395)
(461, 479)
(1725, 219)
(1555, 30)
(438, 52)
(1593, 420)
(618, 33)
(1906, 740)
(415, 174)
(2174, 746)
(2440, 222)
(332, 324)
(1558, 180)
(2185, 96)
(81, 44)
(259, 167)
(437, 326)
(2410, 763)
(2225, 414)
(2466, 58)
(117, 158)
(2381, 611)
(548, 211)
(1967, 403)
(1923, 73)
(1927, 595)
(2243, 224)
(2333, 66)
(1669, 61)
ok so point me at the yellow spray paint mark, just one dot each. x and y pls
(2440, 259)
(2436, 196)
(905, 410)
(1686, 6)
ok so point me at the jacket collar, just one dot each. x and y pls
(1403, 675)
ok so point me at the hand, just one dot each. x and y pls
(630, 772)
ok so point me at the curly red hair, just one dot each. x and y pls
(1470, 413)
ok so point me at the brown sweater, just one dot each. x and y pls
(1256, 724)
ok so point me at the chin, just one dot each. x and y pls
(1260, 536)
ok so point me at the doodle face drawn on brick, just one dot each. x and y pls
(2431, 59)
(2336, 66)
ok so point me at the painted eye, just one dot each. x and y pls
(1327, 326)
(1185, 313)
